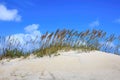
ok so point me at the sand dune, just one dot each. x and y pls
(72, 65)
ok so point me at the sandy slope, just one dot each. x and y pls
(71, 65)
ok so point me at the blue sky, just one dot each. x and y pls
(53, 14)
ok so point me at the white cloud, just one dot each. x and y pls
(9, 14)
(31, 28)
(94, 24)
(108, 44)
(32, 34)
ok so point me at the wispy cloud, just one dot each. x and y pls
(117, 20)
(9, 14)
(29, 3)
(94, 24)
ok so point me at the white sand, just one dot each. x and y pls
(71, 65)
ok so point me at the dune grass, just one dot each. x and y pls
(50, 43)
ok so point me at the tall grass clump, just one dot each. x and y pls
(70, 39)
(49, 43)
(10, 48)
